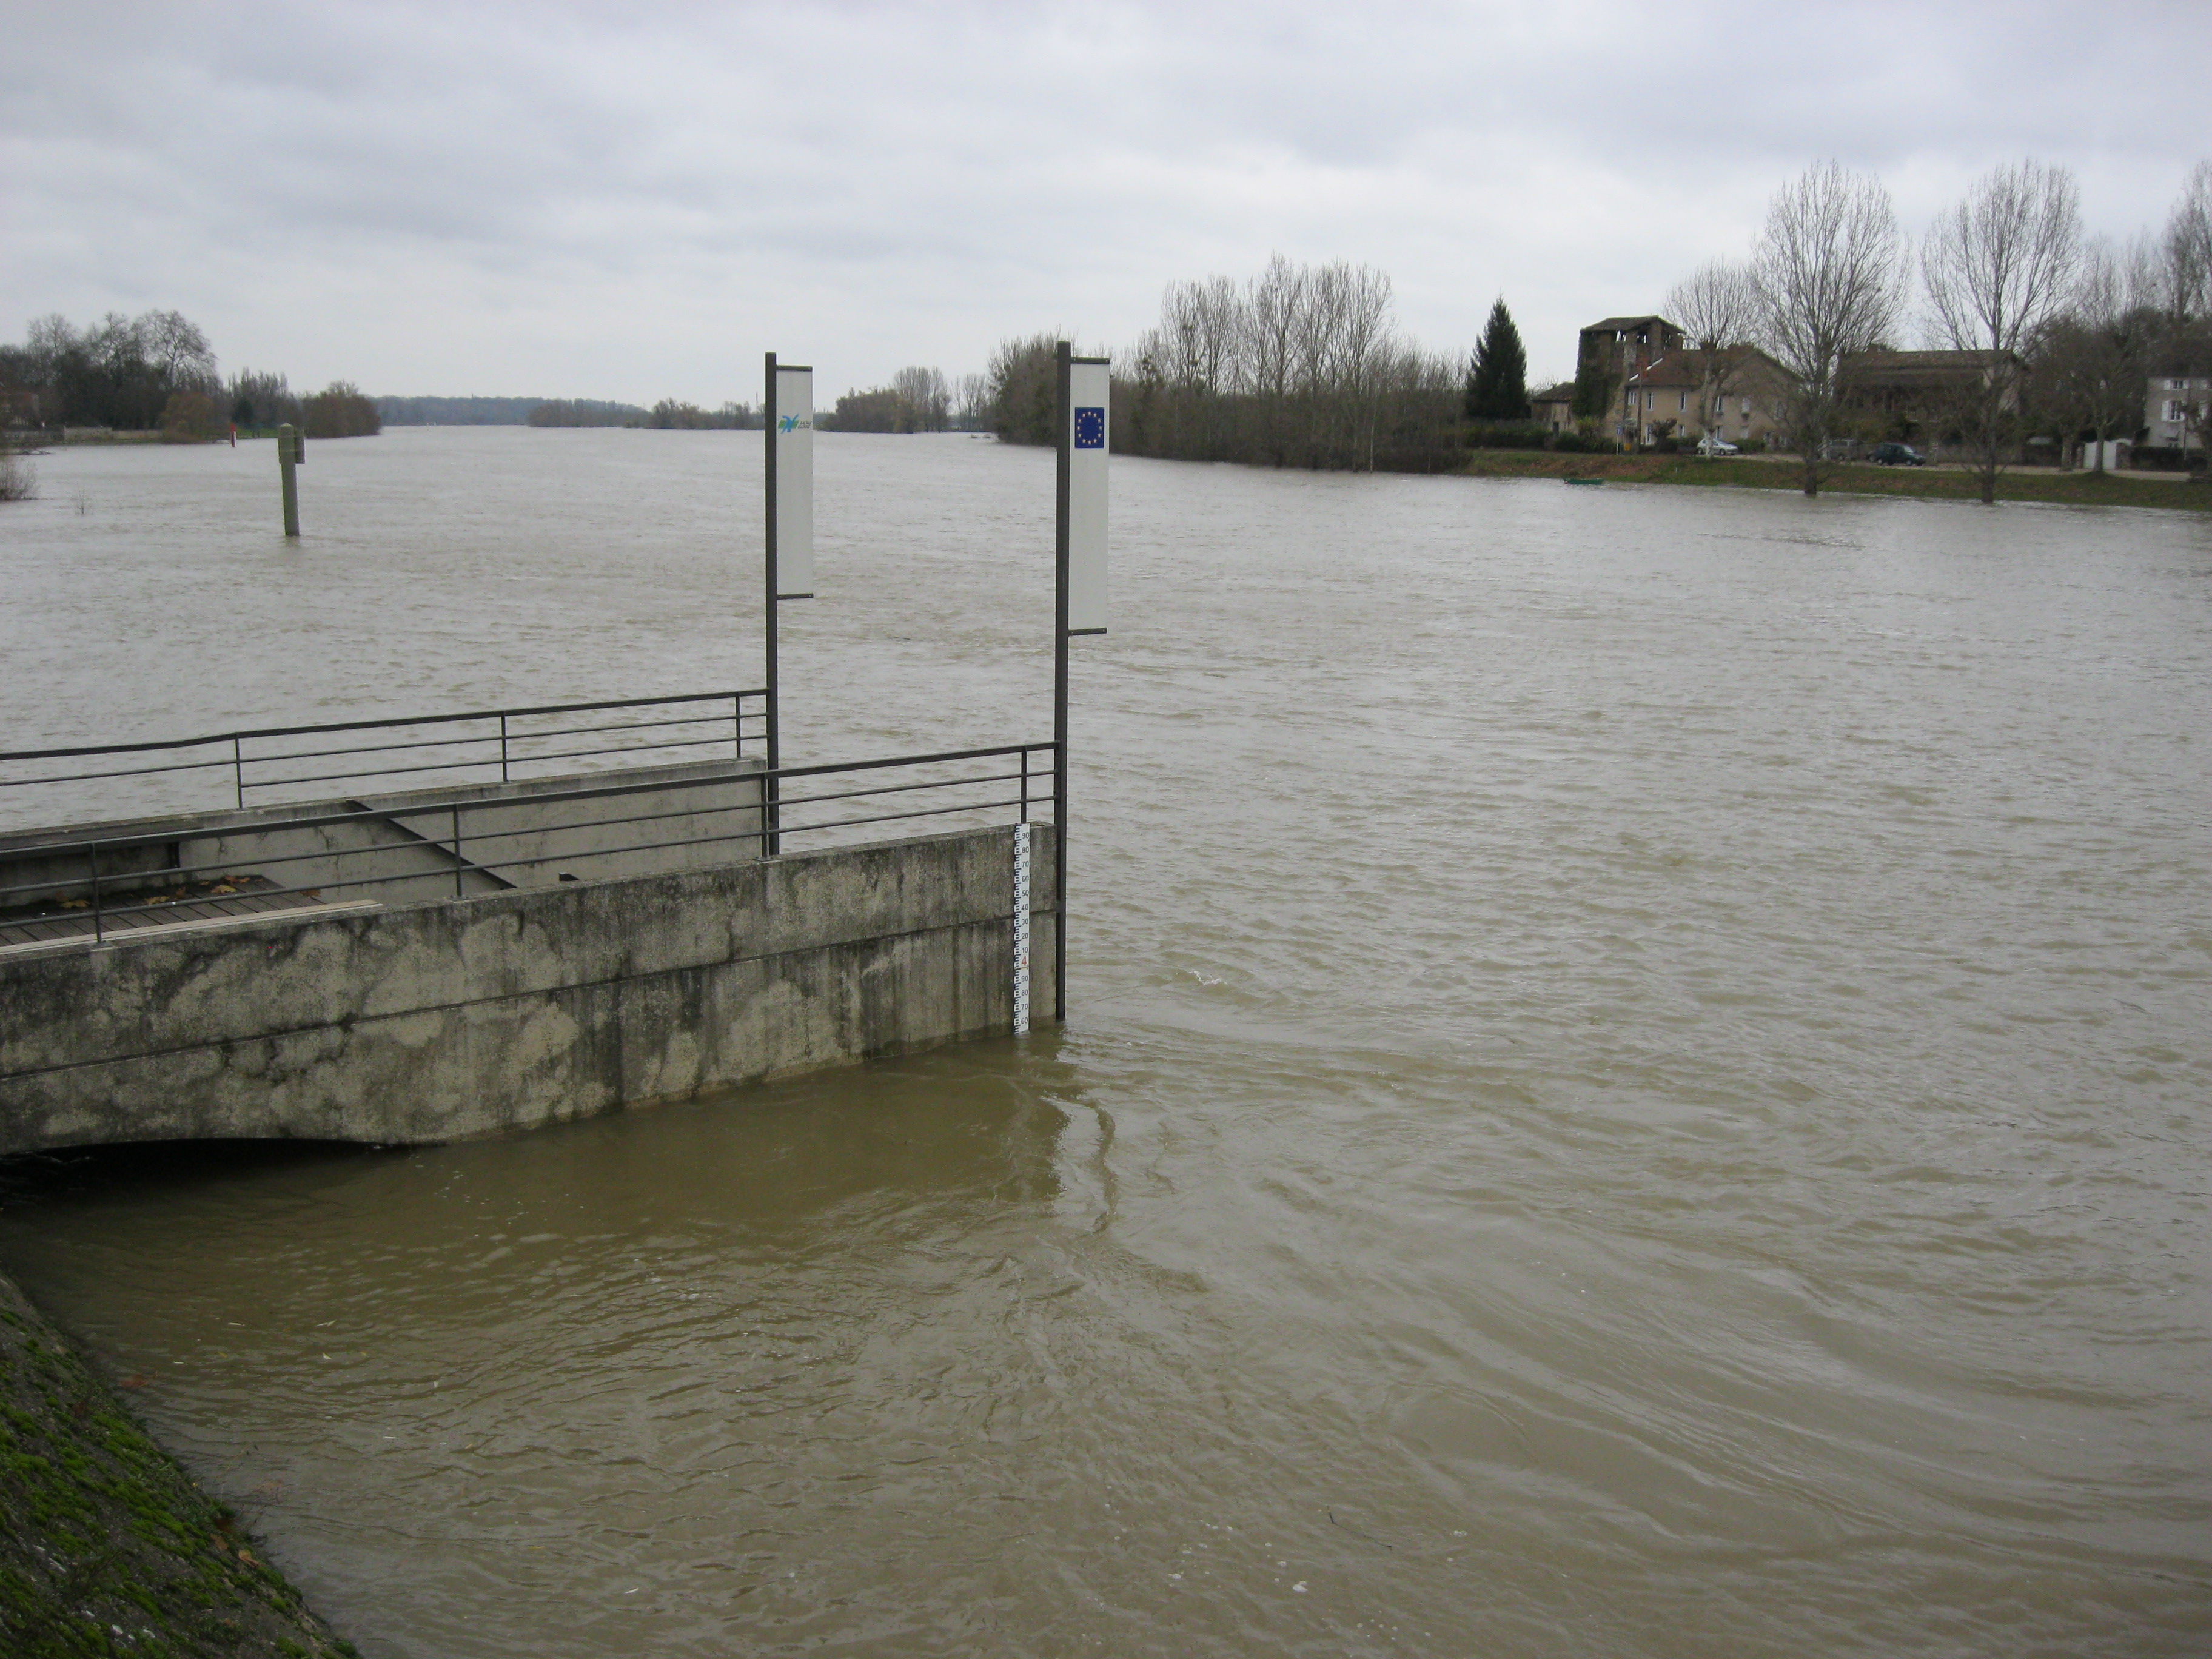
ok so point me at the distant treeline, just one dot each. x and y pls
(918, 399)
(1299, 366)
(156, 372)
(668, 416)
(456, 411)
(584, 411)
(119, 374)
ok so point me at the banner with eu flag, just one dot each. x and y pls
(1089, 383)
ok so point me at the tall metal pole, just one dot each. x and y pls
(769, 786)
(1059, 816)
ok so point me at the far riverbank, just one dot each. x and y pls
(1931, 482)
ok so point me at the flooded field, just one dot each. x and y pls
(1636, 1081)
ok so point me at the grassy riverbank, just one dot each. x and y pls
(106, 1547)
(1937, 483)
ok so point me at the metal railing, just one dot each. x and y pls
(89, 887)
(345, 757)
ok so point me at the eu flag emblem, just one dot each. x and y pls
(1091, 428)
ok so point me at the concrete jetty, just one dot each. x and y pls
(445, 962)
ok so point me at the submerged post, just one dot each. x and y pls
(287, 458)
(1079, 592)
(790, 563)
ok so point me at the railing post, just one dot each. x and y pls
(738, 723)
(771, 792)
(99, 933)
(1025, 783)
(238, 768)
(502, 746)
(457, 849)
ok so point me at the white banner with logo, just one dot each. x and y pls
(1088, 384)
(795, 484)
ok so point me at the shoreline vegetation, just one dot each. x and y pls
(2076, 487)
(2044, 345)
(106, 1546)
(153, 379)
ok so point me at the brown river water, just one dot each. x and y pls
(1636, 1080)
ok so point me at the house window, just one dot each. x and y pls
(2174, 409)
(1682, 402)
(2176, 386)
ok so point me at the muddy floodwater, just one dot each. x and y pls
(1637, 1079)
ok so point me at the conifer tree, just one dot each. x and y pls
(1497, 379)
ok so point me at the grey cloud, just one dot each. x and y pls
(486, 197)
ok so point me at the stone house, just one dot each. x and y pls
(1688, 393)
(1553, 407)
(2174, 408)
(1910, 396)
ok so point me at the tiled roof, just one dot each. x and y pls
(1683, 370)
(1686, 369)
(1561, 393)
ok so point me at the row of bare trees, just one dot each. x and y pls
(1301, 365)
(157, 372)
(2054, 330)
(918, 399)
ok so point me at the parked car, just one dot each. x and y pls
(1896, 455)
(1711, 446)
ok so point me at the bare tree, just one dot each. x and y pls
(1359, 358)
(1828, 273)
(178, 351)
(972, 402)
(2093, 361)
(1997, 268)
(1718, 307)
(924, 404)
(2188, 283)
(2189, 247)
(1274, 302)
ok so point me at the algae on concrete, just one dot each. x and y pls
(106, 1547)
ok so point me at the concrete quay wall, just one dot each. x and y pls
(443, 1018)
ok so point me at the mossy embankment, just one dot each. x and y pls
(1933, 483)
(106, 1547)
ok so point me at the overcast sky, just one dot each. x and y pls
(601, 201)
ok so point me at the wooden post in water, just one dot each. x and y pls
(287, 458)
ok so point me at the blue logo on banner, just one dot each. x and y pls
(1091, 428)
